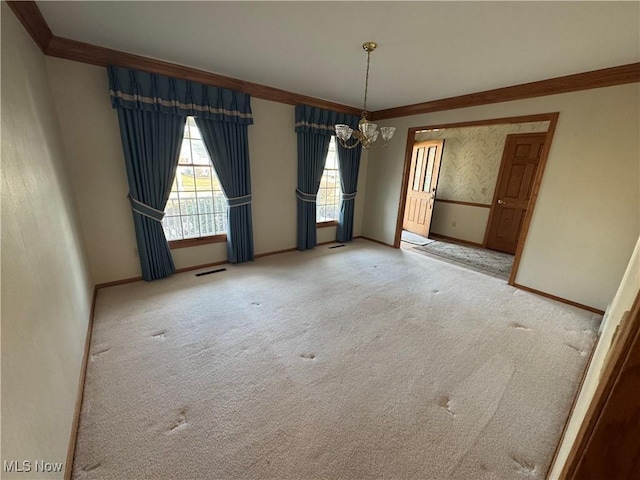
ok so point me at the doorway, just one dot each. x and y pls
(494, 210)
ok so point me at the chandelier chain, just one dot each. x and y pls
(366, 83)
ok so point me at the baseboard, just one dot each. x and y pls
(214, 264)
(198, 267)
(454, 239)
(326, 243)
(559, 299)
(275, 252)
(68, 470)
(377, 241)
(118, 282)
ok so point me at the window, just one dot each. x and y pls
(328, 202)
(197, 206)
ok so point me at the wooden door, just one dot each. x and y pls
(517, 175)
(421, 191)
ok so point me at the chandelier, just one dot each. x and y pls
(367, 132)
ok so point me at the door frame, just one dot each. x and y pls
(552, 118)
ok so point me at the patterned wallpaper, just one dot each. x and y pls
(471, 159)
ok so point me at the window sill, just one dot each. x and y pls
(332, 223)
(194, 242)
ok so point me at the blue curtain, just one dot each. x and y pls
(228, 147)
(314, 127)
(312, 154)
(151, 143)
(152, 111)
(349, 164)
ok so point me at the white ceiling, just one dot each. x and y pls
(427, 50)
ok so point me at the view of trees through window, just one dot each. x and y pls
(328, 202)
(197, 206)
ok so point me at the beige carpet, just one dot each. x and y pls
(359, 362)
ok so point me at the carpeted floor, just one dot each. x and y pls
(491, 261)
(360, 362)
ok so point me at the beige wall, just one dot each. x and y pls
(463, 222)
(619, 309)
(91, 135)
(587, 217)
(46, 286)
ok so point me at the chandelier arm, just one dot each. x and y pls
(346, 145)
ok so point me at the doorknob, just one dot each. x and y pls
(501, 202)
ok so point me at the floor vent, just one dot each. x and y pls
(210, 272)
(338, 246)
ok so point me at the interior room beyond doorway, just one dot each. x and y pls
(483, 179)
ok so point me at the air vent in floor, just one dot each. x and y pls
(210, 272)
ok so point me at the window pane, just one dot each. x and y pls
(219, 202)
(173, 205)
(417, 174)
(205, 202)
(221, 222)
(185, 153)
(199, 152)
(190, 227)
(207, 226)
(321, 199)
(216, 181)
(431, 157)
(185, 179)
(332, 156)
(188, 204)
(332, 162)
(193, 131)
(331, 212)
(172, 228)
(321, 213)
(203, 178)
(332, 196)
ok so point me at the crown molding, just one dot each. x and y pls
(606, 77)
(31, 18)
(92, 54)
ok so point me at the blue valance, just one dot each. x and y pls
(134, 89)
(321, 121)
